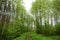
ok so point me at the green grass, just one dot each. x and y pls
(33, 36)
(55, 37)
(40, 37)
(22, 37)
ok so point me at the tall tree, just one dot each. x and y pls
(7, 13)
(56, 10)
(41, 10)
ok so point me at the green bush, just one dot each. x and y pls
(48, 30)
(57, 27)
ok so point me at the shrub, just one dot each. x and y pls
(48, 30)
(57, 27)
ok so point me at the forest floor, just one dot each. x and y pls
(34, 36)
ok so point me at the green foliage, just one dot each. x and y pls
(48, 30)
(55, 37)
(42, 10)
(33, 36)
(57, 27)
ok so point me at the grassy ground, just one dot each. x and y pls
(55, 37)
(34, 36)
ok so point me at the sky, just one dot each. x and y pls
(27, 4)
